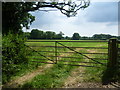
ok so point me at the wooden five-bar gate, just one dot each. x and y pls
(76, 53)
(80, 53)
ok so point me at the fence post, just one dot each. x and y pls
(112, 52)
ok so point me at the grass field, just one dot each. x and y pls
(55, 76)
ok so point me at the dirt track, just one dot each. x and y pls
(21, 80)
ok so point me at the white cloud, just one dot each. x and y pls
(86, 29)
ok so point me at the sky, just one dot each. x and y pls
(98, 18)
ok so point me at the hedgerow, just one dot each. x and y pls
(14, 55)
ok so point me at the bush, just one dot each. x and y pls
(14, 54)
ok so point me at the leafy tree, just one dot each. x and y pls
(38, 34)
(68, 38)
(96, 36)
(35, 34)
(118, 37)
(41, 34)
(101, 36)
(60, 35)
(76, 36)
(50, 35)
(27, 35)
(15, 15)
(85, 38)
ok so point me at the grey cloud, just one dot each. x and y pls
(42, 18)
(102, 12)
(119, 12)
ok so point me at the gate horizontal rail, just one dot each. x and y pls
(67, 61)
(79, 62)
(70, 57)
(72, 47)
(66, 64)
(58, 44)
(65, 41)
(72, 52)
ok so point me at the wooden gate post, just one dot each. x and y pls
(56, 51)
(112, 52)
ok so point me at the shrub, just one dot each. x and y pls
(14, 54)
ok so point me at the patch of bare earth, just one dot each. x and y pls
(29, 76)
(76, 78)
(89, 85)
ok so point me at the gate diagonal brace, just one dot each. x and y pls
(81, 54)
(39, 53)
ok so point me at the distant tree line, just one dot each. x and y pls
(39, 34)
(76, 36)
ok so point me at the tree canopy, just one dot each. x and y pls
(76, 36)
(15, 15)
(39, 34)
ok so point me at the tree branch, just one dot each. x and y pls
(70, 8)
